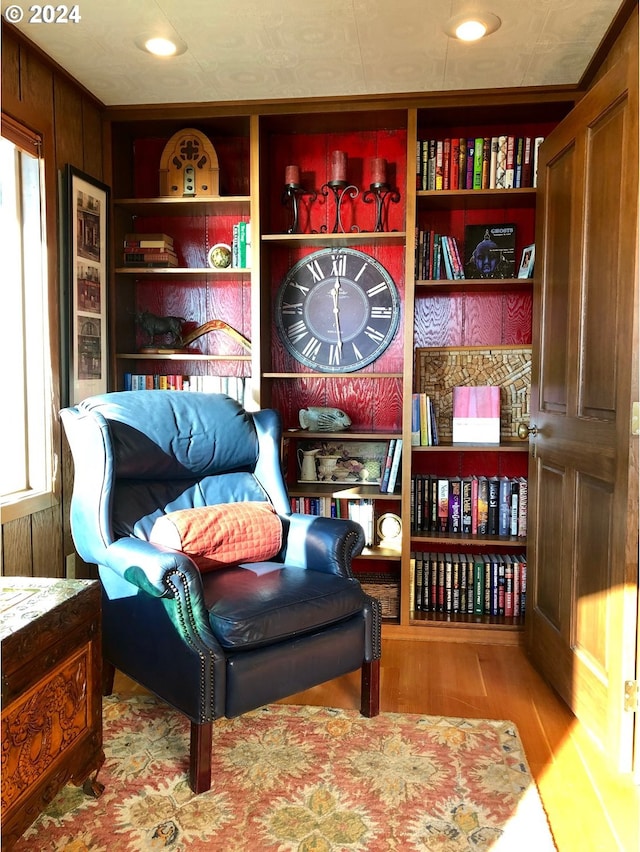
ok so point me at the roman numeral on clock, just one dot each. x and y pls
(312, 348)
(297, 330)
(377, 288)
(374, 334)
(339, 264)
(316, 272)
(378, 312)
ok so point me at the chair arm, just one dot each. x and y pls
(321, 544)
(149, 566)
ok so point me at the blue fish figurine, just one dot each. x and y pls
(319, 419)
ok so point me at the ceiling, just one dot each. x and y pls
(262, 49)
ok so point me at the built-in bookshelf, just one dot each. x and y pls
(450, 311)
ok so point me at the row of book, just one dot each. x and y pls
(391, 470)
(237, 387)
(437, 256)
(361, 511)
(152, 250)
(482, 162)
(473, 505)
(467, 583)
(424, 427)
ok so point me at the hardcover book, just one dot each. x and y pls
(476, 414)
(490, 250)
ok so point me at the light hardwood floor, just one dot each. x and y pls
(590, 808)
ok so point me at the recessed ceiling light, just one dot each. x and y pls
(472, 26)
(161, 45)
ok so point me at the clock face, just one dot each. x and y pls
(337, 310)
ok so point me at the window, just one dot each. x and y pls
(26, 468)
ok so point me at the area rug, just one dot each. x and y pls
(302, 779)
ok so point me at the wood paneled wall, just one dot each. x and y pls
(42, 96)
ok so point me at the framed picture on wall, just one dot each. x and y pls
(85, 280)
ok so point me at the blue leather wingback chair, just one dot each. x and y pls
(140, 454)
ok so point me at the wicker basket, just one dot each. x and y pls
(384, 587)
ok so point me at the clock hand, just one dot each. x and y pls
(335, 292)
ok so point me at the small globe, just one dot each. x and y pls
(220, 256)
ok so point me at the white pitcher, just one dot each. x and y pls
(307, 463)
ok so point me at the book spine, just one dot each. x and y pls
(395, 466)
(504, 506)
(483, 505)
(501, 163)
(493, 504)
(510, 164)
(522, 507)
(508, 586)
(493, 162)
(418, 579)
(386, 473)
(439, 172)
(455, 504)
(466, 505)
(415, 419)
(454, 179)
(443, 505)
(527, 162)
(431, 165)
(446, 164)
(537, 142)
(478, 585)
(471, 145)
(477, 162)
(486, 162)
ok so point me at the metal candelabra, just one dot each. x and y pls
(339, 188)
(382, 194)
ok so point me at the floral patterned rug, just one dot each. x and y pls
(302, 779)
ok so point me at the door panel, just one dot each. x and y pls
(582, 591)
(559, 222)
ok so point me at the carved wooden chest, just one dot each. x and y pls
(51, 693)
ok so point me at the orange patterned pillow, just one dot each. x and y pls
(226, 534)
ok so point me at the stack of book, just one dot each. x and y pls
(469, 583)
(482, 162)
(153, 250)
(473, 505)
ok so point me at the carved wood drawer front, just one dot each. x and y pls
(51, 693)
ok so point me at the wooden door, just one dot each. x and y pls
(583, 473)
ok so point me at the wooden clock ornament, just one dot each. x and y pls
(337, 310)
(189, 166)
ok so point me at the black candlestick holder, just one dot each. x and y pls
(383, 195)
(290, 195)
(339, 188)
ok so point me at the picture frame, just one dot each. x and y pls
(84, 256)
(527, 261)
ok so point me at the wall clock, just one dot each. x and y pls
(337, 310)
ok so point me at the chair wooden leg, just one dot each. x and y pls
(200, 757)
(370, 694)
(108, 675)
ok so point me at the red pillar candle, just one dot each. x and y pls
(292, 175)
(338, 166)
(378, 170)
